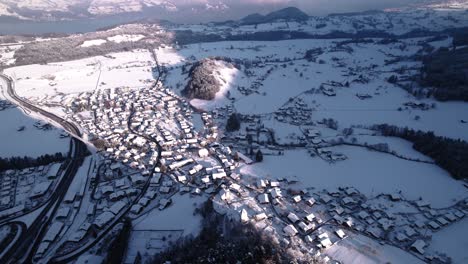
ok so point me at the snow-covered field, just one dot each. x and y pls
(364, 170)
(452, 241)
(154, 231)
(7, 54)
(31, 141)
(95, 42)
(294, 78)
(125, 38)
(357, 249)
(128, 69)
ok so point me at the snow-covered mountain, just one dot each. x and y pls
(185, 11)
(175, 10)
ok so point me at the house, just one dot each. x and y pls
(103, 219)
(441, 220)
(261, 184)
(136, 209)
(363, 215)
(260, 216)
(310, 201)
(274, 184)
(117, 207)
(163, 203)
(395, 197)
(290, 230)
(306, 227)
(143, 201)
(340, 233)
(338, 209)
(53, 232)
(91, 209)
(218, 175)
(226, 195)
(165, 189)
(263, 198)
(326, 242)
(244, 216)
(374, 231)
(297, 198)
(276, 193)
(459, 214)
(244, 158)
(40, 189)
(293, 217)
(348, 201)
(409, 231)
(418, 246)
(203, 153)
(450, 216)
(422, 203)
(63, 213)
(150, 194)
(137, 179)
(325, 198)
(182, 178)
(310, 217)
(401, 237)
(433, 225)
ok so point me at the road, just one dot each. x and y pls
(24, 248)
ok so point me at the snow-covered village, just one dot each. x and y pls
(274, 138)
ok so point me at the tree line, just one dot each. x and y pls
(117, 248)
(447, 71)
(223, 240)
(19, 163)
(449, 154)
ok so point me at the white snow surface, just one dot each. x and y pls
(453, 241)
(32, 141)
(127, 69)
(357, 249)
(364, 170)
(95, 42)
(125, 38)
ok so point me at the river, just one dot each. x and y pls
(24, 27)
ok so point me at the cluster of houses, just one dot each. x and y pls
(7, 185)
(314, 222)
(152, 151)
(296, 112)
(21, 190)
(255, 85)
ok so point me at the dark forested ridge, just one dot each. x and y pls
(447, 71)
(223, 241)
(449, 154)
(19, 163)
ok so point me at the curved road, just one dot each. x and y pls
(24, 248)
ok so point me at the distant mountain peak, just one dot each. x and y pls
(288, 13)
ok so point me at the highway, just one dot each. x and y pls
(31, 238)
(24, 248)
